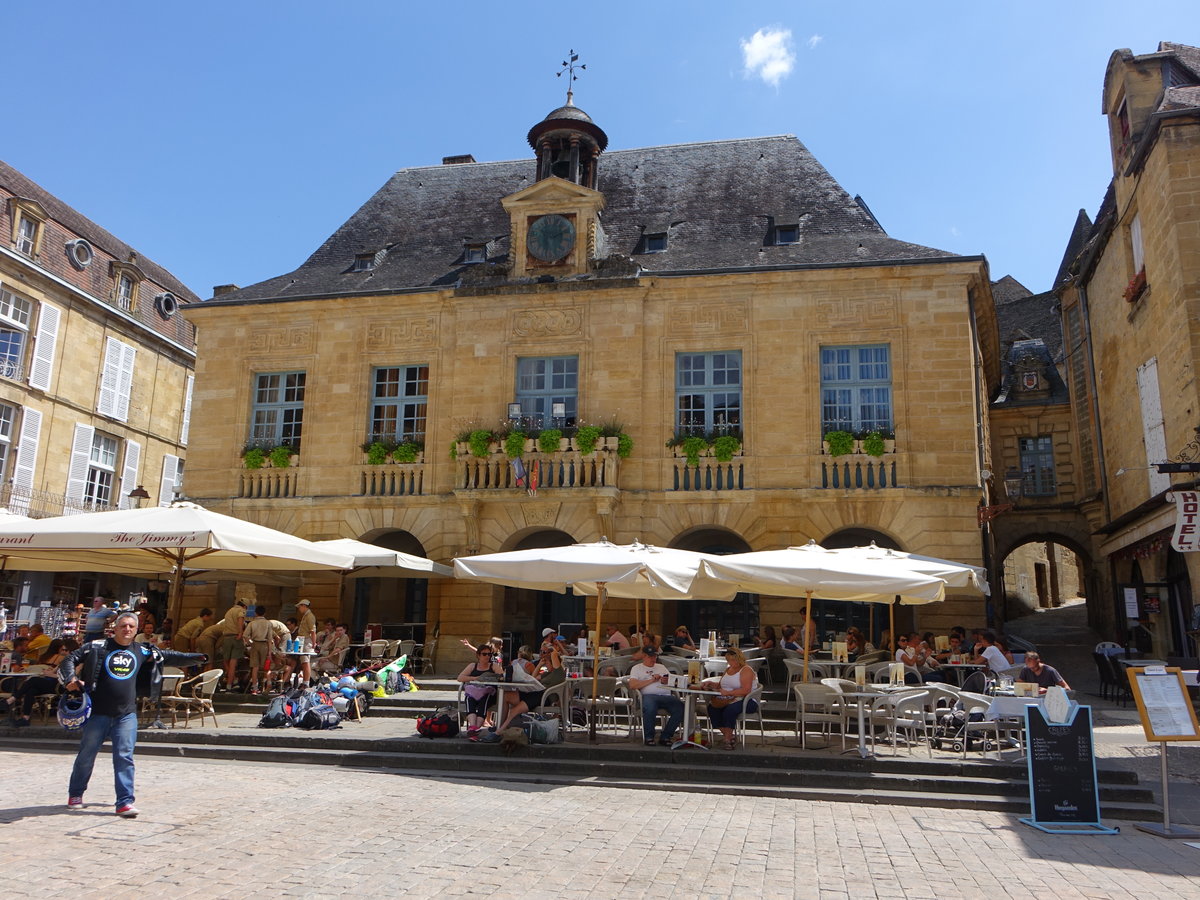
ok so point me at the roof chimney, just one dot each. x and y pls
(457, 160)
(219, 289)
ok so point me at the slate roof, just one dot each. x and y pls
(84, 227)
(1008, 394)
(719, 200)
(1022, 315)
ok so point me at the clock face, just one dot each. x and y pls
(550, 237)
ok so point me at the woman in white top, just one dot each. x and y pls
(734, 687)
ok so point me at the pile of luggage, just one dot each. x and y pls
(317, 708)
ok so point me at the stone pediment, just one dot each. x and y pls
(554, 192)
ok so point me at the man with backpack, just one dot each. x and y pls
(114, 672)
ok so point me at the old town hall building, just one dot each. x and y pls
(694, 319)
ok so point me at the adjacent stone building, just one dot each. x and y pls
(1130, 304)
(95, 375)
(729, 289)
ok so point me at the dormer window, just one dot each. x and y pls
(475, 253)
(127, 279)
(363, 262)
(655, 243)
(28, 217)
(787, 234)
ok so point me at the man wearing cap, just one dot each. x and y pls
(307, 633)
(650, 677)
(549, 639)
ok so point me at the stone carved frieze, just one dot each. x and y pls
(547, 322)
(410, 331)
(703, 318)
(295, 338)
(863, 311)
(540, 513)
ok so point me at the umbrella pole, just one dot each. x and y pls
(176, 604)
(892, 629)
(600, 595)
(807, 632)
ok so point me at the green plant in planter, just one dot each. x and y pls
(377, 453)
(254, 458)
(873, 444)
(281, 456)
(514, 444)
(840, 443)
(587, 437)
(692, 448)
(611, 428)
(624, 445)
(454, 449)
(548, 440)
(407, 452)
(480, 439)
(725, 447)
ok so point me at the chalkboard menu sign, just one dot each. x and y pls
(1062, 772)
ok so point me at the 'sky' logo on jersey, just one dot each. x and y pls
(120, 664)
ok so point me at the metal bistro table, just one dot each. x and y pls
(879, 690)
(689, 715)
(961, 670)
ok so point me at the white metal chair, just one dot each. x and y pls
(903, 711)
(603, 706)
(978, 703)
(739, 725)
(715, 667)
(426, 656)
(195, 695)
(820, 704)
(558, 709)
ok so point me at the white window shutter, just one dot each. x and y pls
(129, 474)
(42, 367)
(1154, 432)
(125, 382)
(81, 457)
(170, 474)
(187, 410)
(107, 403)
(26, 460)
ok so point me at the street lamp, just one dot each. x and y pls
(138, 496)
(1014, 481)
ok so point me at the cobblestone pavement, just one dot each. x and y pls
(225, 828)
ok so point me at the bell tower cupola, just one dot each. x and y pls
(567, 142)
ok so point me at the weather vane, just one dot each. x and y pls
(569, 66)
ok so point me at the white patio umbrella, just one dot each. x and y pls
(180, 537)
(373, 561)
(829, 574)
(956, 575)
(602, 569)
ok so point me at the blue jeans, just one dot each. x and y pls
(123, 732)
(727, 716)
(651, 704)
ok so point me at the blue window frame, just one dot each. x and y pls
(278, 414)
(399, 403)
(708, 392)
(856, 388)
(543, 381)
(1037, 467)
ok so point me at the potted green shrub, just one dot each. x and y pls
(872, 444)
(586, 438)
(281, 456)
(624, 445)
(839, 443)
(479, 442)
(725, 447)
(692, 446)
(550, 440)
(514, 444)
(407, 452)
(254, 458)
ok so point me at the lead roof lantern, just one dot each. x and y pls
(568, 145)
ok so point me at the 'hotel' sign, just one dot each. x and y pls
(1186, 538)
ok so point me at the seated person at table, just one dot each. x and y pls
(478, 694)
(791, 639)
(766, 638)
(333, 650)
(916, 660)
(650, 677)
(856, 643)
(147, 636)
(615, 639)
(990, 654)
(549, 669)
(683, 638)
(524, 659)
(734, 686)
(956, 649)
(38, 642)
(1002, 645)
(516, 701)
(549, 638)
(35, 686)
(1042, 675)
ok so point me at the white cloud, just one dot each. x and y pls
(954, 232)
(768, 55)
(814, 40)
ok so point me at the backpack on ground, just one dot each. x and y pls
(319, 718)
(441, 723)
(276, 715)
(540, 729)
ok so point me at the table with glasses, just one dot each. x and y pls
(961, 670)
(688, 727)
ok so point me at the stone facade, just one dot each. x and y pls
(1132, 301)
(95, 373)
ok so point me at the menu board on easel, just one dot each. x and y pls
(1163, 703)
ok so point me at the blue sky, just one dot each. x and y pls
(226, 141)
